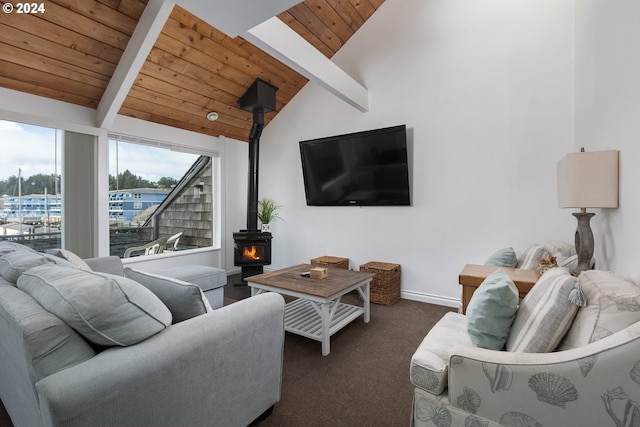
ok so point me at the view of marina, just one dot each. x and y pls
(144, 181)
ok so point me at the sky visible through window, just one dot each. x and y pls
(29, 148)
(32, 149)
(148, 162)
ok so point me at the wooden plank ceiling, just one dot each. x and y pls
(70, 52)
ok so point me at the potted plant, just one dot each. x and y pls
(267, 212)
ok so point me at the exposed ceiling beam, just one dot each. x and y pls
(277, 39)
(234, 17)
(19, 107)
(149, 26)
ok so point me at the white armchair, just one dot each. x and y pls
(593, 377)
(172, 242)
(155, 247)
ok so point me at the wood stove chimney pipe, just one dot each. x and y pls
(259, 98)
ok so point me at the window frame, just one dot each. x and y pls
(216, 185)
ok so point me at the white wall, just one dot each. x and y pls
(485, 89)
(237, 166)
(607, 106)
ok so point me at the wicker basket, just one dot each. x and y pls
(385, 285)
(330, 261)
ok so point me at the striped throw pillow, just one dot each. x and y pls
(545, 314)
(530, 257)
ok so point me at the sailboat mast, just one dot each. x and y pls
(20, 199)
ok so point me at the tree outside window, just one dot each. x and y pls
(157, 194)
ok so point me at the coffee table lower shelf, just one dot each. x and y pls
(315, 311)
(304, 317)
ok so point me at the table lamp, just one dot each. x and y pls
(587, 180)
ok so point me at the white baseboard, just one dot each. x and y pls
(432, 299)
(410, 295)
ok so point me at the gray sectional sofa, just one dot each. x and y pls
(80, 347)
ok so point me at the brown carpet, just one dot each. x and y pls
(5, 421)
(364, 381)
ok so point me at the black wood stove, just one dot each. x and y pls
(252, 248)
(251, 251)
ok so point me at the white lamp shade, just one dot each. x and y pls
(588, 180)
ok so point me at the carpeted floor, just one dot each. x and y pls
(5, 421)
(364, 381)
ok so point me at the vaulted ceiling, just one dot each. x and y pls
(87, 52)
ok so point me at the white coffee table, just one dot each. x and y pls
(317, 313)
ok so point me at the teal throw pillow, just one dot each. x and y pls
(491, 311)
(503, 258)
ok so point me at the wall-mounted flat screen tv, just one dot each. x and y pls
(367, 168)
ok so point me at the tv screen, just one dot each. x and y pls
(367, 168)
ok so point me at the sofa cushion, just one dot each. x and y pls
(613, 303)
(491, 311)
(503, 258)
(530, 257)
(6, 247)
(51, 345)
(71, 257)
(185, 300)
(106, 264)
(105, 309)
(545, 314)
(202, 275)
(13, 264)
(429, 366)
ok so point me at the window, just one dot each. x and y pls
(30, 168)
(158, 195)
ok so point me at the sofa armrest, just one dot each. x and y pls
(221, 368)
(596, 382)
(106, 264)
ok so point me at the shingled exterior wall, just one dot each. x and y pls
(191, 212)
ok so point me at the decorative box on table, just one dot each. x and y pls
(385, 285)
(330, 261)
